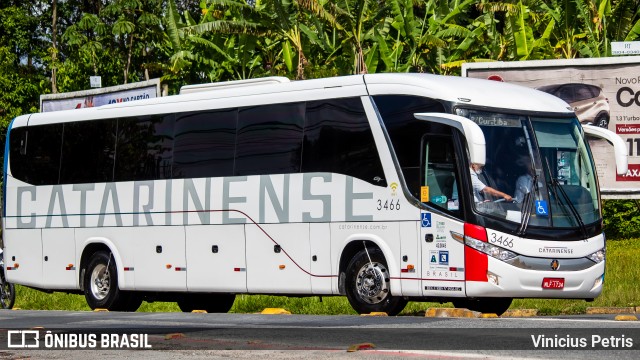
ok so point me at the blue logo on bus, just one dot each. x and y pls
(541, 208)
(426, 220)
(444, 257)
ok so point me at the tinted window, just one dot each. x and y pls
(204, 144)
(337, 138)
(88, 152)
(269, 139)
(582, 92)
(144, 148)
(406, 131)
(439, 174)
(35, 154)
(567, 93)
(595, 91)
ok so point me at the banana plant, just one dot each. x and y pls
(356, 21)
(215, 44)
(528, 27)
(624, 22)
(290, 19)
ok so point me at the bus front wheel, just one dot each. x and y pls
(367, 284)
(101, 285)
(485, 305)
(211, 303)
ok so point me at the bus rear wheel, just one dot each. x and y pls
(367, 284)
(101, 285)
(211, 303)
(7, 293)
(496, 306)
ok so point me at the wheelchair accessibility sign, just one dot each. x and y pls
(541, 208)
(426, 220)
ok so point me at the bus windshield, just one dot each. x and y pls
(543, 163)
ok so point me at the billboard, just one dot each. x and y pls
(604, 92)
(102, 96)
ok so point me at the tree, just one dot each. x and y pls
(202, 50)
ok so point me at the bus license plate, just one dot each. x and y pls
(553, 283)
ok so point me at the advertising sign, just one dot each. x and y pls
(604, 92)
(98, 97)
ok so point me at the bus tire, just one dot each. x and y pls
(496, 306)
(211, 303)
(367, 284)
(101, 284)
(7, 293)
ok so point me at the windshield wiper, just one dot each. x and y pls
(567, 200)
(527, 204)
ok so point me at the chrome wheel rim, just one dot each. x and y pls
(100, 282)
(372, 283)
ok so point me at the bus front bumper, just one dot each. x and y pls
(505, 280)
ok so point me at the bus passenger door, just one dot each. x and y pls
(216, 258)
(442, 249)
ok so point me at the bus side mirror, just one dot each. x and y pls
(619, 147)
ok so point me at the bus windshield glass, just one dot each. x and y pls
(542, 163)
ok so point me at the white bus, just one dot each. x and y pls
(358, 186)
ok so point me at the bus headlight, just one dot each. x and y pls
(598, 256)
(489, 249)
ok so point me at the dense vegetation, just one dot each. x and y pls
(54, 46)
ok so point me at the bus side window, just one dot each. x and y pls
(338, 139)
(144, 148)
(35, 154)
(88, 152)
(406, 132)
(269, 139)
(439, 172)
(205, 143)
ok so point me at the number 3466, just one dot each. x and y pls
(388, 204)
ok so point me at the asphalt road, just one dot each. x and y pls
(223, 336)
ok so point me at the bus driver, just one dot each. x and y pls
(479, 188)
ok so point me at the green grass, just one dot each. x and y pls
(621, 289)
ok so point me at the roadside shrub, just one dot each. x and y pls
(621, 219)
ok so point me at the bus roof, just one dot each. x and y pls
(470, 91)
(478, 92)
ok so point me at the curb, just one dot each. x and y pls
(466, 313)
(452, 312)
(520, 313)
(275, 311)
(611, 310)
(375, 313)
